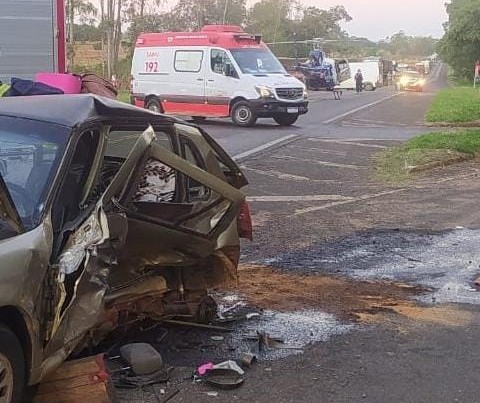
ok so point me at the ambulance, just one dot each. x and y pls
(218, 72)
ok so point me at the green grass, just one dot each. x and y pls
(124, 96)
(431, 149)
(455, 105)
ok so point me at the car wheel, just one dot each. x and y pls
(369, 87)
(12, 367)
(242, 114)
(285, 120)
(199, 119)
(154, 105)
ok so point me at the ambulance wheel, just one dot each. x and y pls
(154, 105)
(369, 87)
(242, 114)
(285, 120)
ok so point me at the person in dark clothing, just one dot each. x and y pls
(359, 81)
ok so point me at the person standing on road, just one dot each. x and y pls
(359, 81)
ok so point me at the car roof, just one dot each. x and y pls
(73, 110)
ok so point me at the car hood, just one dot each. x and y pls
(277, 81)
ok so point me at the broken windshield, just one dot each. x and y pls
(257, 61)
(30, 152)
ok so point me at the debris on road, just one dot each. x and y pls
(248, 359)
(223, 378)
(197, 325)
(168, 396)
(142, 358)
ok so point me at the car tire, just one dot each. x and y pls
(12, 367)
(242, 114)
(369, 87)
(153, 104)
(285, 120)
(199, 119)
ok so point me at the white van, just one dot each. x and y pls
(372, 73)
(217, 72)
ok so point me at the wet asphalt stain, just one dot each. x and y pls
(447, 262)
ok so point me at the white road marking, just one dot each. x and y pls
(346, 142)
(351, 112)
(277, 174)
(324, 163)
(321, 150)
(352, 200)
(263, 147)
(307, 198)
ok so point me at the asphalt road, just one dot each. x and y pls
(383, 113)
(344, 248)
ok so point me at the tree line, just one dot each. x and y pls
(120, 21)
(460, 46)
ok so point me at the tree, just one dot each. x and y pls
(317, 23)
(86, 12)
(192, 15)
(271, 19)
(460, 46)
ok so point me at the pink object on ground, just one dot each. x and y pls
(202, 369)
(68, 83)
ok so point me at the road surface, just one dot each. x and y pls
(373, 283)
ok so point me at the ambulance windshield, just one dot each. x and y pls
(257, 61)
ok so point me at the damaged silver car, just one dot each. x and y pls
(110, 215)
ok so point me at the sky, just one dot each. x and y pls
(377, 19)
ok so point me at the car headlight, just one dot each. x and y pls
(421, 82)
(404, 81)
(305, 93)
(264, 91)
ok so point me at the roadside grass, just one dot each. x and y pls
(455, 105)
(123, 96)
(426, 151)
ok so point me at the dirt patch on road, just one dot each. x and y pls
(363, 301)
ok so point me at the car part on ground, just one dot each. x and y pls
(142, 358)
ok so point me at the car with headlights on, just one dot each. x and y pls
(110, 215)
(411, 81)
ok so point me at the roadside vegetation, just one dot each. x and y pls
(426, 151)
(124, 96)
(455, 105)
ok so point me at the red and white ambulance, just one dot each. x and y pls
(220, 71)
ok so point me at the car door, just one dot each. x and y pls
(186, 95)
(217, 161)
(343, 70)
(176, 211)
(221, 82)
